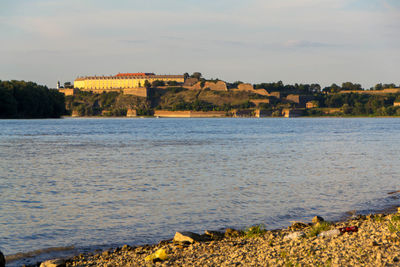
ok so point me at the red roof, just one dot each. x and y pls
(133, 74)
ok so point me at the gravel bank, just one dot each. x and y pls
(376, 243)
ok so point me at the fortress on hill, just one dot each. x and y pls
(122, 81)
(128, 83)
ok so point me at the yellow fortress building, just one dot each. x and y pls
(122, 81)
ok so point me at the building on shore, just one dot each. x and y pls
(122, 81)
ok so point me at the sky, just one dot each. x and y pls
(295, 41)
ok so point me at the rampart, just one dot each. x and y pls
(249, 88)
(190, 82)
(67, 91)
(260, 113)
(245, 87)
(373, 92)
(131, 113)
(242, 113)
(188, 114)
(214, 86)
(100, 91)
(300, 100)
(142, 91)
(259, 101)
(291, 113)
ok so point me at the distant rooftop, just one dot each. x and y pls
(133, 74)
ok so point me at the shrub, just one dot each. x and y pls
(256, 230)
(318, 228)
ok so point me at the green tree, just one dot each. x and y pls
(389, 85)
(358, 109)
(196, 75)
(378, 86)
(334, 101)
(334, 88)
(157, 83)
(351, 86)
(346, 109)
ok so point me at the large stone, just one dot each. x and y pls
(214, 235)
(330, 233)
(294, 235)
(298, 226)
(159, 255)
(53, 263)
(2, 260)
(187, 237)
(232, 232)
(317, 219)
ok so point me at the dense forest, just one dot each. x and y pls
(353, 104)
(20, 99)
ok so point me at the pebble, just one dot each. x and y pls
(53, 263)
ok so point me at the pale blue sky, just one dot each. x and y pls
(302, 41)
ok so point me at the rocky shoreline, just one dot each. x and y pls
(371, 240)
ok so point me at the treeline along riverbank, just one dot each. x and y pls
(20, 99)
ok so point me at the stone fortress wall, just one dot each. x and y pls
(188, 114)
(373, 92)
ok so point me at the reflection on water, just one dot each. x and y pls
(89, 182)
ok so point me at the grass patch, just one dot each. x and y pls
(254, 231)
(395, 218)
(378, 218)
(318, 228)
(292, 264)
(394, 224)
(283, 254)
(392, 228)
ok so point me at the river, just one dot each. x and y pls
(97, 183)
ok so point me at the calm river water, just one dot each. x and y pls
(96, 183)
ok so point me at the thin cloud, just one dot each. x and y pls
(306, 44)
(390, 4)
(142, 41)
(231, 43)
